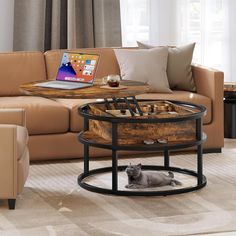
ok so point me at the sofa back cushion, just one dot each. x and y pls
(145, 65)
(17, 68)
(107, 63)
(179, 69)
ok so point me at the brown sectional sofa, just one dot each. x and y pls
(53, 125)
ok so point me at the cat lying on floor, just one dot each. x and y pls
(144, 179)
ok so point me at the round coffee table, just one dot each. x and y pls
(90, 138)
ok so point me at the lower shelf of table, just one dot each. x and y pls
(92, 139)
(144, 192)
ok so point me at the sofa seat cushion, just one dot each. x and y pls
(185, 97)
(44, 116)
(22, 140)
(76, 121)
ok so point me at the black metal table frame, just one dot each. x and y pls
(229, 114)
(114, 147)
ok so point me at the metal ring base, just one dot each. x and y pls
(92, 188)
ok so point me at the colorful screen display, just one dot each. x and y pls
(79, 67)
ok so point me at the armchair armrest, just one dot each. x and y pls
(15, 116)
(8, 161)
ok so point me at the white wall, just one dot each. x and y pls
(6, 25)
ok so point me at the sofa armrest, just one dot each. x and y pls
(8, 161)
(210, 83)
(14, 116)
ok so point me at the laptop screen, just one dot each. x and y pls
(78, 67)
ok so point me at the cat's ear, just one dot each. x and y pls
(139, 165)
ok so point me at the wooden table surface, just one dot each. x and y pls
(230, 86)
(95, 91)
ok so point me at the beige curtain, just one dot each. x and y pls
(51, 24)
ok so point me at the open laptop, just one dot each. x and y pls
(77, 70)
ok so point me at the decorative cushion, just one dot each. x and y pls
(179, 71)
(146, 65)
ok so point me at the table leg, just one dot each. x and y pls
(199, 151)
(114, 171)
(86, 159)
(114, 158)
(86, 148)
(166, 158)
(199, 164)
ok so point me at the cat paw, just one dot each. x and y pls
(128, 186)
(174, 183)
(133, 186)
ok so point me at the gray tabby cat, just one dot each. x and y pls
(144, 179)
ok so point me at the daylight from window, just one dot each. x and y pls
(200, 21)
(203, 22)
(135, 21)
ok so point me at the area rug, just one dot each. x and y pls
(53, 204)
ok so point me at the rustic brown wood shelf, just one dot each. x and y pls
(93, 139)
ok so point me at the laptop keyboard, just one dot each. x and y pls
(63, 85)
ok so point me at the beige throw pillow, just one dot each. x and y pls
(179, 70)
(145, 65)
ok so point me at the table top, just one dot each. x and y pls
(133, 88)
(230, 86)
(166, 111)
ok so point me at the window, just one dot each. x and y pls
(135, 21)
(203, 22)
(209, 23)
